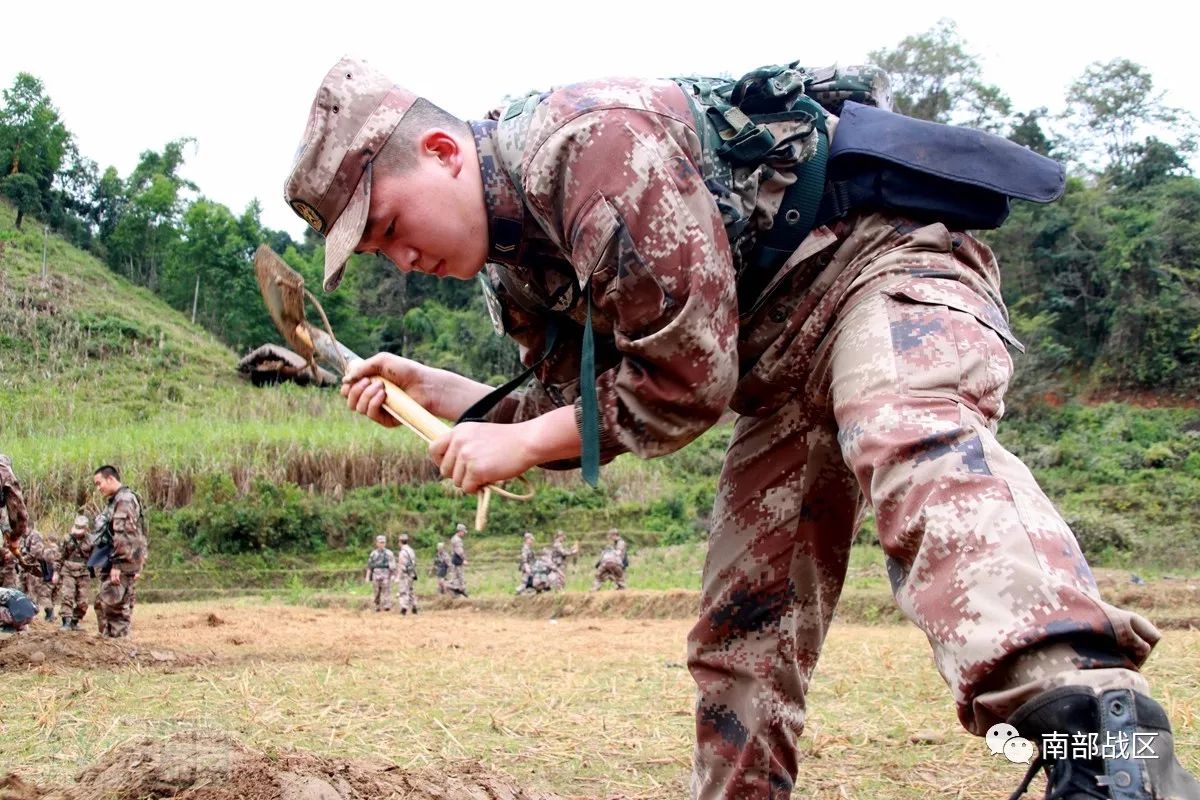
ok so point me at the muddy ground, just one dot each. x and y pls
(216, 767)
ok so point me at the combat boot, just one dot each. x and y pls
(49, 615)
(66, 623)
(1116, 745)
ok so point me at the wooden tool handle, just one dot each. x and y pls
(410, 412)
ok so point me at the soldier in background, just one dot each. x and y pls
(48, 596)
(14, 519)
(35, 570)
(615, 540)
(525, 565)
(381, 565)
(119, 553)
(559, 555)
(610, 566)
(440, 567)
(72, 578)
(458, 563)
(406, 576)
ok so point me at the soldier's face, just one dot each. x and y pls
(106, 485)
(432, 218)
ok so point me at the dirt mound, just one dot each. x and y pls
(213, 766)
(55, 648)
(674, 604)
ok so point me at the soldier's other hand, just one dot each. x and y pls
(114, 576)
(475, 454)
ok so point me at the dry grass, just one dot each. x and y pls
(585, 707)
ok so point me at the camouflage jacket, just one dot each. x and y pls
(381, 560)
(75, 550)
(406, 562)
(123, 516)
(13, 517)
(612, 197)
(457, 549)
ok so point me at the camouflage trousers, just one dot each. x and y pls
(457, 583)
(73, 584)
(114, 605)
(39, 591)
(899, 413)
(609, 572)
(382, 580)
(9, 579)
(406, 600)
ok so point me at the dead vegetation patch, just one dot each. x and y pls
(41, 648)
(215, 766)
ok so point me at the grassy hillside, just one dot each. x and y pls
(94, 370)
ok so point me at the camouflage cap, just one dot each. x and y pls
(460, 527)
(404, 538)
(380, 539)
(355, 111)
(81, 523)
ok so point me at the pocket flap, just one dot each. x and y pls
(592, 236)
(957, 295)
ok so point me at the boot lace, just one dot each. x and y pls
(1065, 780)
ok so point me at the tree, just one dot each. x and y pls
(935, 78)
(1027, 131)
(150, 207)
(33, 139)
(1110, 110)
(22, 190)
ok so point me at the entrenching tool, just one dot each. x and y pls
(284, 293)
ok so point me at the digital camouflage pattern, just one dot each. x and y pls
(115, 601)
(353, 114)
(32, 551)
(381, 566)
(406, 576)
(9, 576)
(871, 370)
(440, 567)
(457, 582)
(609, 567)
(14, 519)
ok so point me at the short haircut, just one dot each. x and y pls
(399, 153)
(108, 471)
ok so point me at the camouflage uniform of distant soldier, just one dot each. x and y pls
(121, 529)
(868, 370)
(35, 569)
(381, 566)
(72, 578)
(14, 522)
(525, 565)
(611, 564)
(52, 561)
(560, 554)
(440, 567)
(458, 563)
(406, 577)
